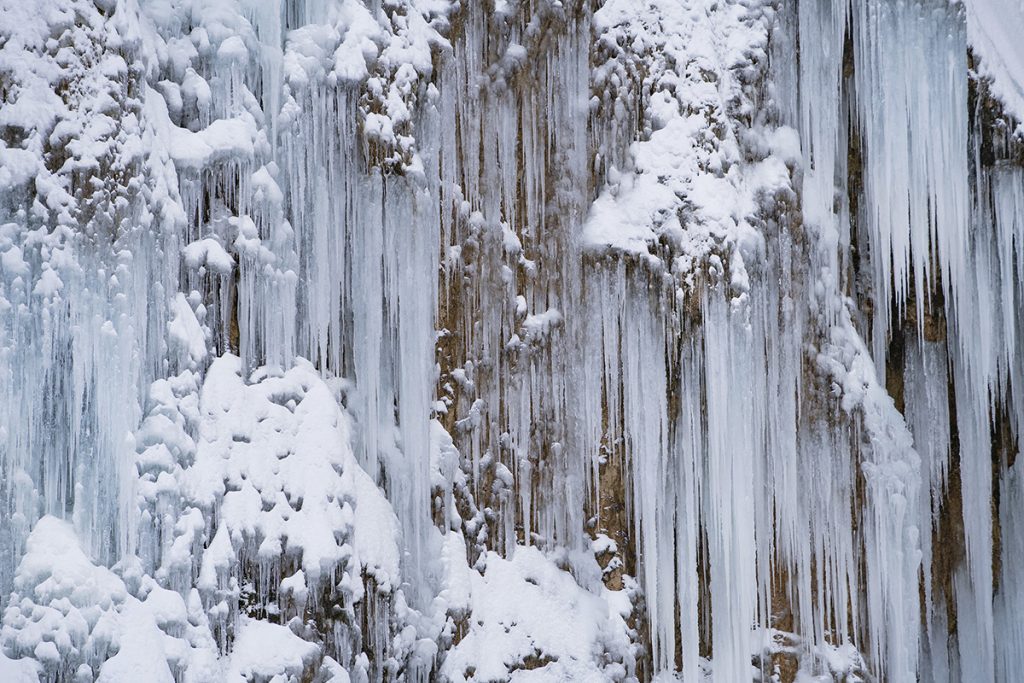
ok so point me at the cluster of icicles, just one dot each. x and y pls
(767, 468)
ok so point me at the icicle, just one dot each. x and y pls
(910, 61)
(821, 30)
(1009, 598)
(731, 467)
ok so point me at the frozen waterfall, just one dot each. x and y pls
(487, 340)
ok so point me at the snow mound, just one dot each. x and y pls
(691, 183)
(255, 516)
(529, 618)
(269, 458)
(264, 651)
(70, 619)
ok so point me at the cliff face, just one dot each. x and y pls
(426, 340)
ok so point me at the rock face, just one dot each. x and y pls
(351, 340)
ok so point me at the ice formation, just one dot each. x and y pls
(380, 340)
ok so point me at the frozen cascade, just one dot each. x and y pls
(84, 275)
(930, 221)
(571, 339)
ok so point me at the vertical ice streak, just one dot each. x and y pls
(911, 97)
(731, 466)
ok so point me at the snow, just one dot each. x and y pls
(680, 185)
(208, 253)
(526, 608)
(140, 652)
(274, 459)
(223, 139)
(265, 651)
(184, 330)
(993, 30)
(52, 551)
(71, 614)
